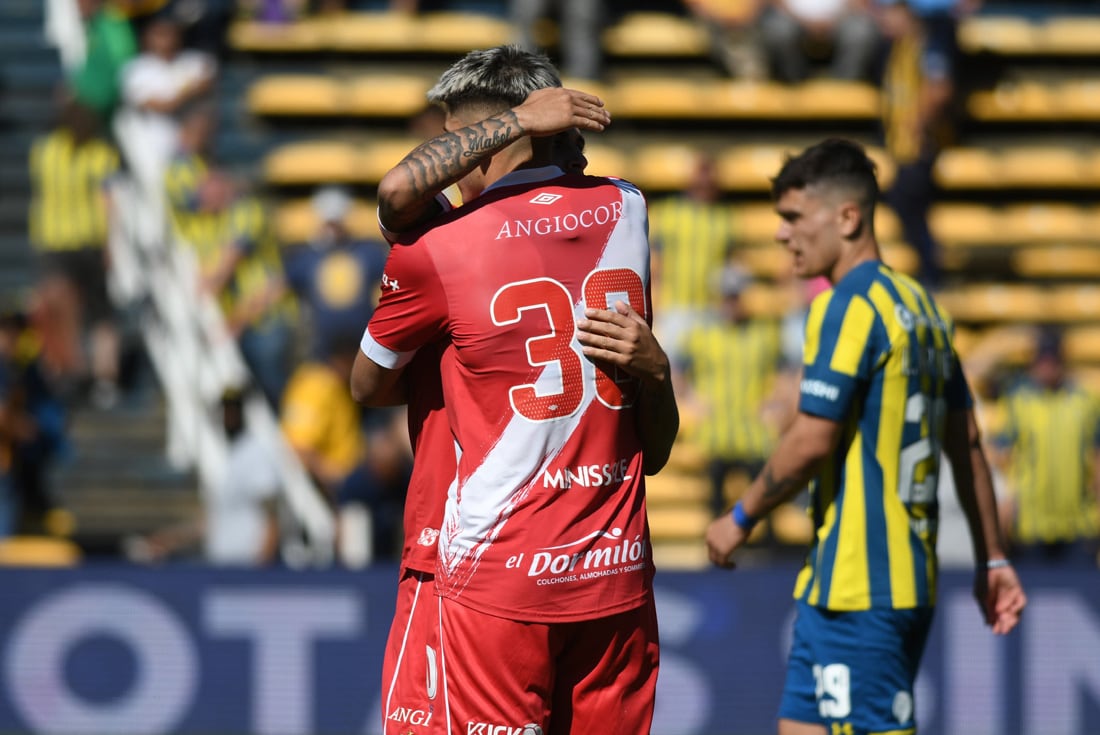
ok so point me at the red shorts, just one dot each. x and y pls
(409, 668)
(503, 677)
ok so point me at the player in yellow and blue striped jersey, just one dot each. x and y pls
(882, 392)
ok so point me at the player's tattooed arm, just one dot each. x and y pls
(406, 195)
(801, 451)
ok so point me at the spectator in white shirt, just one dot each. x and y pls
(156, 85)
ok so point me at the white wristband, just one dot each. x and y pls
(997, 563)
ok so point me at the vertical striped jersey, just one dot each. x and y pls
(1054, 436)
(692, 241)
(68, 209)
(732, 368)
(879, 359)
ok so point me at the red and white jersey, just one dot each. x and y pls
(545, 517)
(434, 463)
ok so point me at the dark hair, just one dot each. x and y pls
(834, 163)
(499, 77)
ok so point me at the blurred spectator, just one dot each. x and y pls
(335, 276)
(273, 11)
(68, 228)
(1052, 442)
(580, 21)
(728, 369)
(735, 39)
(156, 86)
(238, 256)
(795, 31)
(36, 422)
(110, 44)
(918, 87)
(692, 236)
(325, 427)
(239, 525)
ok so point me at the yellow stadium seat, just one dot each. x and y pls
(674, 523)
(755, 224)
(1045, 222)
(767, 261)
(295, 221)
(287, 94)
(656, 34)
(746, 99)
(683, 555)
(791, 525)
(962, 225)
(1057, 262)
(313, 163)
(1078, 99)
(1071, 35)
(834, 98)
(38, 551)
(901, 257)
(677, 488)
(750, 167)
(373, 32)
(999, 34)
(603, 160)
(887, 225)
(966, 168)
(1042, 166)
(664, 167)
(763, 300)
(1072, 304)
(1089, 377)
(388, 95)
(456, 32)
(380, 156)
(301, 37)
(1082, 344)
(659, 97)
(993, 303)
(1015, 101)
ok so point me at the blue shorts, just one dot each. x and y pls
(853, 672)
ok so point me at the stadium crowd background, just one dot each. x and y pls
(265, 125)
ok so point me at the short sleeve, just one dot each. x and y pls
(412, 310)
(839, 356)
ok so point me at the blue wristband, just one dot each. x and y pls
(743, 519)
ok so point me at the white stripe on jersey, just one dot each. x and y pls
(477, 511)
(383, 356)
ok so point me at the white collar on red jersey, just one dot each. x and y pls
(526, 176)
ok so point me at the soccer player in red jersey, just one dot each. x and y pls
(546, 615)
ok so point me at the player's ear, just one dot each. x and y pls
(850, 219)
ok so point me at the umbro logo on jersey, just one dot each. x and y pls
(545, 198)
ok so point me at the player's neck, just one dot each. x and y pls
(857, 253)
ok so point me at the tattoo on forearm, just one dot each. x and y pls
(777, 489)
(442, 160)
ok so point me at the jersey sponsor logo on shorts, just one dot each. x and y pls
(568, 222)
(428, 536)
(485, 728)
(588, 475)
(544, 198)
(411, 716)
(820, 389)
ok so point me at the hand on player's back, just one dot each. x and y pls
(556, 109)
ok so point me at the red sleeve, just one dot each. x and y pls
(412, 310)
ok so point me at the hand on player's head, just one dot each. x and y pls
(557, 109)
